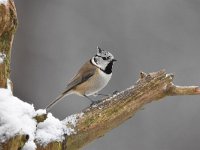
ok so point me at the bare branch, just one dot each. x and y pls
(111, 112)
(174, 90)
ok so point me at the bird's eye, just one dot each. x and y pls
(104, 58)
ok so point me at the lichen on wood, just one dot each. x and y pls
(8, 25)
(113, 111)
(14, 143)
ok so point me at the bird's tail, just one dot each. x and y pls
(48, 108)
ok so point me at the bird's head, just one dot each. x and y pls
(103, 58)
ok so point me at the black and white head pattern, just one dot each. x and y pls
(104, 60)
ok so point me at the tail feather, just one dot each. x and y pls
(65, 93)
(48, 108)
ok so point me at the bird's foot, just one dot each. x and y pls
(95, 102)
(100, 94)
(115, 92)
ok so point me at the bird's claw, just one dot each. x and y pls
(95, 102)
(115, 92)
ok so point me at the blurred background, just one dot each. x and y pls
(55, 38)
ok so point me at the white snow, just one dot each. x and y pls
(2, 55)
(1, 60)
(49, 130)
(53, 129)
(30, 145)
(3, 1)
(9, 85)
(17, 117)
(72, 119)
(41, 111)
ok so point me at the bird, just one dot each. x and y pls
(91, 78)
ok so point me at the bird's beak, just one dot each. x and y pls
(114, 60)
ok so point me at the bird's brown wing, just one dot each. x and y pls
(86, 71)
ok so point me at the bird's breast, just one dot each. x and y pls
(96, 83)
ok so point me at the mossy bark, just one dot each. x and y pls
(15, 143)
(8, 25)
(113, 111)
(109, 114)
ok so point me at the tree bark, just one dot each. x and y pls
(113, 111)
(8, 25)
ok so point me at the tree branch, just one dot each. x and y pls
(113, 111)
(8, 25)
(173, 90)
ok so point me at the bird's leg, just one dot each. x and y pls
(106, 95)
(92, 101)
(115, 92)
(100, 94)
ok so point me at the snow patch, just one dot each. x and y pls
(72, 119)
(9, 86)
(2, 55)
(41, 112)
(30, 145)
(16, 116)
(52, 129)
(3, 1)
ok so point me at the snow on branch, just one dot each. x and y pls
(2, 57)
(15, 117)
(18, 118)
(3, 1)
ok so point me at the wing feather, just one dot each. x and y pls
(86, 72)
